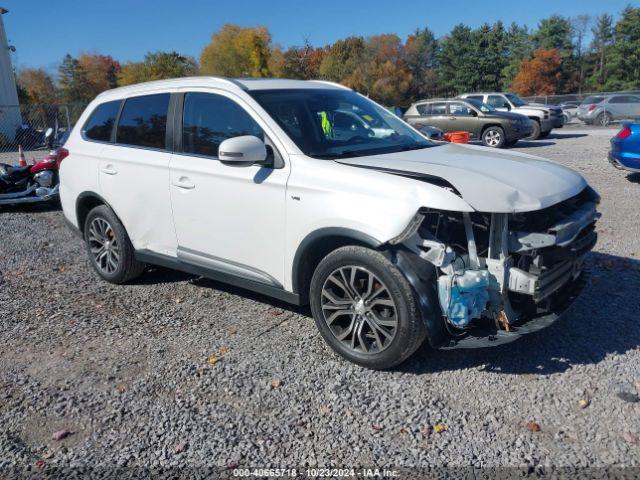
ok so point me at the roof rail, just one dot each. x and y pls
(335, 84)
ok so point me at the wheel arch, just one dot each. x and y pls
(86, 202)
(317, 245)
(489, 125)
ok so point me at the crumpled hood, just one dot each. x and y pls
(488, 180)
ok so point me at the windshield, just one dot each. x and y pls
(483, 107)
(331, 123)
(592, 99)
(515, 99)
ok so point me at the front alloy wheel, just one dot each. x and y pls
(365, 308)
(359, 310)
(493, 137)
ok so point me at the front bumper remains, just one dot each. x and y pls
(496, 277)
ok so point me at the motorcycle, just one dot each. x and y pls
(37, 183)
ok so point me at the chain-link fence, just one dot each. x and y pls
(25, 125)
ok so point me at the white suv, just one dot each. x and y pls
(268, 185)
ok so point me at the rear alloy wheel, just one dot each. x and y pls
(604, 119)
(493, 137)
(365, 309)
(109, 248)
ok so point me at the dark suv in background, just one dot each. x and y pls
(493, 128)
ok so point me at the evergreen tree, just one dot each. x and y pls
(72, 79)
(420, 54)
(624, 56)
(519, 47)
(456, 60)
(602, 32)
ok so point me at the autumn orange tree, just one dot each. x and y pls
(539, 75)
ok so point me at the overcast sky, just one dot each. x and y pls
(44, 31)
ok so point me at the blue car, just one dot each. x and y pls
(625, 148)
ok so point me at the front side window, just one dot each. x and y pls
(315, 119)
(100, 123)
(143, 121)
(209, 119)
(497, 101)
(460, 110)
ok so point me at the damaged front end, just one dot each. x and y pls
(496, 276)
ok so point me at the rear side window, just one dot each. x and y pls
(209, 119)
(100, 123)
(143, 121)
(476, 97)
(439, 108)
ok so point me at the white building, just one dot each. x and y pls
(10, 118)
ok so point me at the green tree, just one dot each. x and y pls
(73, 82)
(420, 54)
(518, 47)
(489, 48)
(342, 58)
(624, 56)
(603, 36)
(157, 66)
(456, 60)
(237, 51)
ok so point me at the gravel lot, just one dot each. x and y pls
(131, 370)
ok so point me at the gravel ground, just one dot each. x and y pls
(175, 370)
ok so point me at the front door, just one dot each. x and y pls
(466, 119)
(227, 217)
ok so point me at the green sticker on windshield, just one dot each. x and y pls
(326, 125)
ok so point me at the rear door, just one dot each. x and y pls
(134, 173)
(437, 116)
(634, 106)
(617, 107)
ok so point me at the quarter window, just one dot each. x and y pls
(100, 123)
(209, 119)
(143, 121)
(424, 109)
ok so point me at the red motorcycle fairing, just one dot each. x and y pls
(48, 163)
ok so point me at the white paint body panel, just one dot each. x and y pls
(256, 218)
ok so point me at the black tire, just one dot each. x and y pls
(535, 133)
(126, 266)
(511, 143)
(493, 137)
(544, 134)
(604, 119)
(409, 331)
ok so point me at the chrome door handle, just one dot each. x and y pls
(452, 118)
(184, 182)
(109, 170)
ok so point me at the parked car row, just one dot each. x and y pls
(605, 109)
(496, 119)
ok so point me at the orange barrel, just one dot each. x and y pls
(457, 137)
